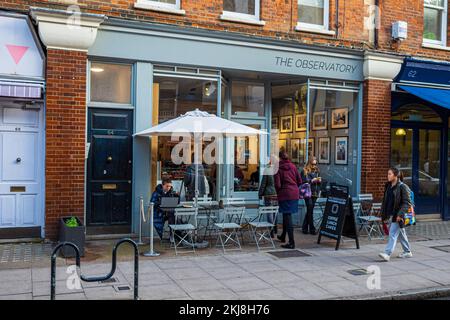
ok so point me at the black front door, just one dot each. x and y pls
(109, 170)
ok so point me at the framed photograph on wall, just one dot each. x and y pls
(319, 120)
(339, 118)
(275, 123)
(282, 145)
(324, 150)
(295, 150)
(286, 124)
(300, 122)
(311, 147)
(341, 150)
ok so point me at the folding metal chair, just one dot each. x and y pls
(266, 220)
(228, 228)
(372, 223)
(182, 230)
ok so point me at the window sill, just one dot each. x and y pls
(231, 18)
(435, 46)
(153, 7)
(301, 28)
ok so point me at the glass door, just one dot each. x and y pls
(416, 152)
(245, 155)
(429, 169)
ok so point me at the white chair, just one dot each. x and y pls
(263, 226)
(228, 228)
(182, 230)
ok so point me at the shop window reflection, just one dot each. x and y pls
(172, 98)
(247, 98)
(417, 113)
(110, 83)
(246, 168)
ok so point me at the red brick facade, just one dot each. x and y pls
(66, 79)
(65, 137)
(376, 136)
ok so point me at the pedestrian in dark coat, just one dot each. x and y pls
(287, 182)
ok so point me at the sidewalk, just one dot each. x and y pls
(247, 275)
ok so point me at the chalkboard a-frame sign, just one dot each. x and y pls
(338, 218)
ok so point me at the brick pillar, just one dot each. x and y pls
(376, 136)
(65, 137)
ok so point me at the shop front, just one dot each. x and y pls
(22, 137)
(308, 98)
(420, 133)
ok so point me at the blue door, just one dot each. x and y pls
(109, 170)
(416, 150)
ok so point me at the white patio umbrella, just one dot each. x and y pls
(197, 123)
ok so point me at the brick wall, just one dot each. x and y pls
(280, 17)
(65, 136)
(376, 136)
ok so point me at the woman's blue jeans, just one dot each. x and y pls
(396, 232)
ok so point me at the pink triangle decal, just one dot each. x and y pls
(16, 52)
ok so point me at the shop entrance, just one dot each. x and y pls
(416, 151)
(21, 171)
(109, 171)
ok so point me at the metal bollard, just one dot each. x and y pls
(151, 252)
(141, 217)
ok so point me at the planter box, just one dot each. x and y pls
(75, 235)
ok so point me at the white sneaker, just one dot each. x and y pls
(405, 255)
(384, 256)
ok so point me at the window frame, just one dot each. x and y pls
(105, 104)
(444, 22)
(161, 5)
(319, 27)
(243, 16)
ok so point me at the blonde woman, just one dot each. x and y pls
(311, 175)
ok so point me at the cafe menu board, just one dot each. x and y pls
(338, 218)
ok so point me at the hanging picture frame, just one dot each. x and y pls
(295, 150)
(324, 150)
(275, 124)
(300, 122)
(286, 124)
(341, 150)
(339, 118)
(319, 120)
(311, 147)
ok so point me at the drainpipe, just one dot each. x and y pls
(336, 18)
(377, 19)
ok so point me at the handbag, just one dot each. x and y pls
(409, 218)
(305, 191)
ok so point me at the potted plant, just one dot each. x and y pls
(72, 230)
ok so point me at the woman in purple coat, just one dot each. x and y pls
(287, 182)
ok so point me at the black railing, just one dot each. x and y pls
(96, 278)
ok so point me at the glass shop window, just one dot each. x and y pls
(244, 8)
(333, 135)
(110, 83)
(247, 98)
(172, 97)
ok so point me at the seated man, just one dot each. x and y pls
(164, 189)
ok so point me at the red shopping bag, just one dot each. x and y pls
(385, 228)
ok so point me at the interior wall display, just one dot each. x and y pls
(295, 150)
(311, 147)
(341, 150)
(275, 123)
(319, 121)
(339, 118)
(300, 122)
(324, 150)
(282, 145)
(286, 124)
(240, 149)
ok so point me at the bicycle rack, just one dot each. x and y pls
(95, 278)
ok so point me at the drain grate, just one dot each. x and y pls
(289, 254)
(123, 288)
(110, 280)
(359, 272)
(442, 248)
